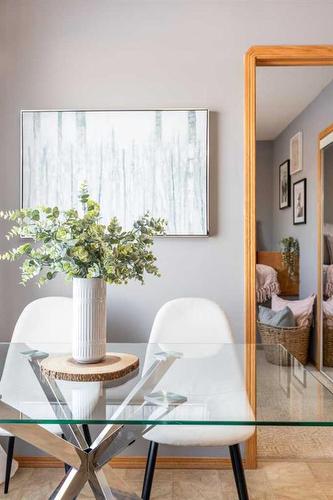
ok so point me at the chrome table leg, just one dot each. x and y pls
(70, 486)
(87, 462)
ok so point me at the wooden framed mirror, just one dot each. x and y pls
(324, 345)
(259, 56)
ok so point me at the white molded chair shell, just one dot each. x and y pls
(179, 324)
(190, 320)
(45, 320)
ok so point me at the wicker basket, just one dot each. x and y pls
(327, 344)
(294, 339)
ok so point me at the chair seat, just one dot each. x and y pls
(228, 406)
(200, 435)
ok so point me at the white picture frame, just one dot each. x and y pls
(296, 153)
(299, 372)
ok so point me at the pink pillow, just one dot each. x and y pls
(301, 309)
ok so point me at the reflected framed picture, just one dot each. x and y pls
(284, 379)
(284, 185)
(299, 202)
(134, 161)
(299, 372)
(296, 153)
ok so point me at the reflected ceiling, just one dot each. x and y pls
(283, 93)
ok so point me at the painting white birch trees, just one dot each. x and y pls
(133, 162)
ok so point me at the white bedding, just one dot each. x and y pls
(266, 282)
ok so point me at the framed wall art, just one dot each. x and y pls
(299, 372)
(296, 153)
(284, 185)
(299, 202)
(133, 161)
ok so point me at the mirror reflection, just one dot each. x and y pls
(327, 254)
(294, 257)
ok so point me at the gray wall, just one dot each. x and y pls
(264, 194)
(137, 54)
(328, 184)
(316, 117)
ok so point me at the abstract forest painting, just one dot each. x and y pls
(133, 162)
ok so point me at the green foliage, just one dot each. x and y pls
(290, 252)
(78, 245)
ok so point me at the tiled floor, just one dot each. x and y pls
(305, 443)
(273, 480)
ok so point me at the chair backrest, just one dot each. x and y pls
(198, 330)
(48, 319)
(44, 321)
(191, 320)
(194, 326)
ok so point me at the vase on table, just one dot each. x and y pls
(89, 320)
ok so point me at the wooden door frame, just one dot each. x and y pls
(266, 55)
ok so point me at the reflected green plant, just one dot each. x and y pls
(290, 252)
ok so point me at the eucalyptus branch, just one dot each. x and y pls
(80, 245)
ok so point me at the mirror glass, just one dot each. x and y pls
(327, 254)
(294, 104)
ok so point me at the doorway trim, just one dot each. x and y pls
(262, 55)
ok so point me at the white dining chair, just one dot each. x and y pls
(43, 321)
(198, 328)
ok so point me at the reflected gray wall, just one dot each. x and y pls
(328, 184)
(316, 117)
(264, 194)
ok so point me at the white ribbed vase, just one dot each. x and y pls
(89, 320)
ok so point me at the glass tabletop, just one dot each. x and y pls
(175, 384)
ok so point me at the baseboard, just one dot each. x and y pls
(38, 462)
(137, 462)
(317, 460)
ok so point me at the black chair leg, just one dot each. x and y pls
(150, 469)
(10, 453)
(86, 433)
(237, 467)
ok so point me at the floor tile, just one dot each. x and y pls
(322, 471)
(289, 473)
(284, 480)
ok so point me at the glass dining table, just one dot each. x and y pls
(174, 385)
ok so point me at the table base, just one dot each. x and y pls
(85, 464)
(84, 459)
